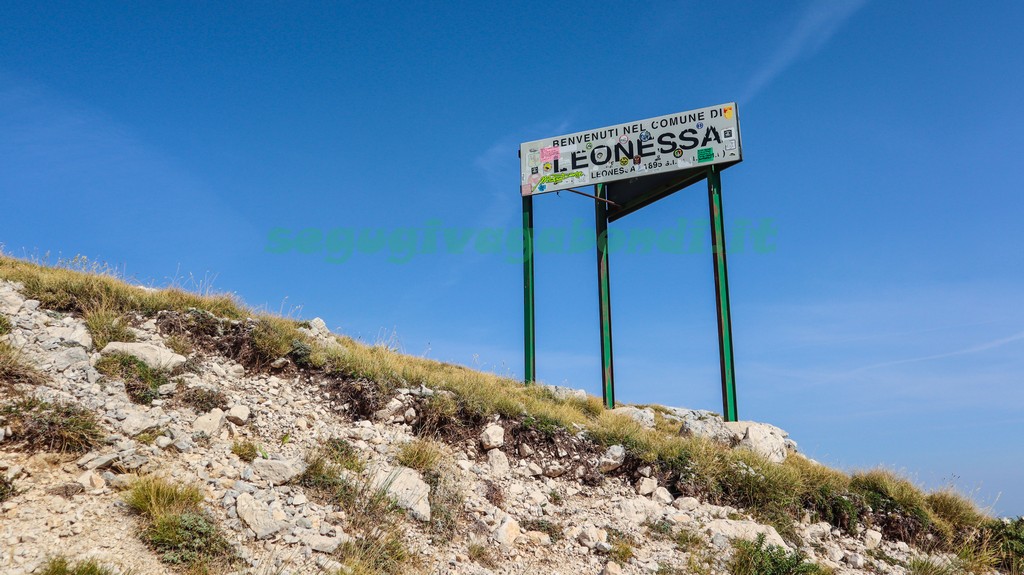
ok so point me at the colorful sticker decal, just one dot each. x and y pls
(549, 153)
(637, 159)
(727, 132)
(547, 166)
(590, 145)
(645, 136)
(705, 155)
(534, 170)
(534, 160)
(623, 139)
(727, 112)
(730, 144)
(624, 161)
(700, 125)
(678, 152)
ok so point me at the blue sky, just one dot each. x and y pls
(882, 325)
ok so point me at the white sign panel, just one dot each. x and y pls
(686, 140)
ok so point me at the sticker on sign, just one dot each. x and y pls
(633, 149)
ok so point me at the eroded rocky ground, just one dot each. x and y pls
(534, 506)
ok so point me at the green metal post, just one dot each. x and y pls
(604, 298)
(529, 330)
(722, 295)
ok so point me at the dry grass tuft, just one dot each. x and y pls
(14, 371)
(423, 455)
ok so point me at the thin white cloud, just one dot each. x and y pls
(819, 22)
(985, 346)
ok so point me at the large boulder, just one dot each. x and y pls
(405, 487)
(258, 516)
(153, 356)
(643, 416)
(278, 471)
(746, 530)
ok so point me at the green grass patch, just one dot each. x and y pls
(759, 558)
(177, 528)
(554, 530)
(190, 538)
(247, 451)
(5, 325)
(62, 566)
(39, 425)
(140, 381)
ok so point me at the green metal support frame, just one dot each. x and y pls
(722, 294)
(604, 296)
(529, 325)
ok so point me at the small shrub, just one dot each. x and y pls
(203, 399)
(493, 493)
(105, 325)
(481, 554)
(898, 506)
(59, 426)
(61, 566)
(245, 450)
(272, 338)
(622, 546)
(420, 454)
(555, 497)
(7, 488)
(155, 497)
(190, 538)
(5, 325)
(1007, 539)
(757, 558)
(554, 530)
(140, 381)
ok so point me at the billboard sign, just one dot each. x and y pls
(682, 141)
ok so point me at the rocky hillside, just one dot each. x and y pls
(150, 431)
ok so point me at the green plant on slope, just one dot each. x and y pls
(245, 450)
(140, 381)
(176, 527)
(5, 325)
(61, 566)
(40, 425)
(759, 558)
